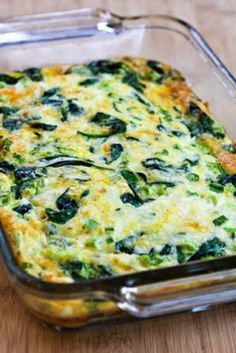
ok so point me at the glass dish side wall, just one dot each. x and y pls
(80, 36)
(99, 308)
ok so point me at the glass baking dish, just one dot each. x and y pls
(86, 34)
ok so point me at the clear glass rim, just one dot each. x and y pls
(113, 285)
(24, 29)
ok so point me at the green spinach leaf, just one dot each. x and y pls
(23, 209)
(67, 208)
(115, 152)
(166, 250)
(105, 66)
(132, 79)
(133, 200)
(212, 247)
(199, 122)
(43, 126)
(115, 125)
(8, 79)
(82, 271)
(89, 82)
(127, 244)
(34, 74)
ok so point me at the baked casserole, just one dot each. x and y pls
(112, 167)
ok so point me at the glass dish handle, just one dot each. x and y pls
(194, 293)
(77, 23)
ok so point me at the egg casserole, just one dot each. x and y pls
(112, 167)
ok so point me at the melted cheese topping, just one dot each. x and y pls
(112, 167)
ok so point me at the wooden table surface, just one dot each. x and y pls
(207, 332)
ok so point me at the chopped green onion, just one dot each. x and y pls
(220, 220)
(216, 187)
